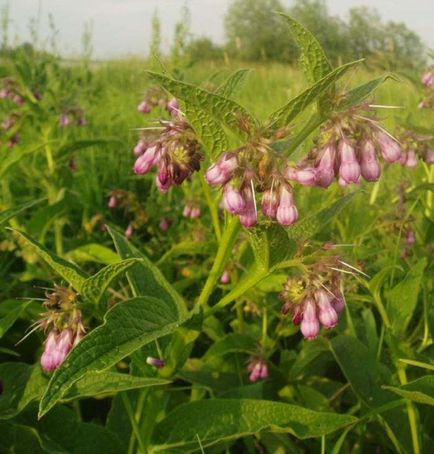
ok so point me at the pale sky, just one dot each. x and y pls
(122, 27)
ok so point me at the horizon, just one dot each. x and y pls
(122, 29)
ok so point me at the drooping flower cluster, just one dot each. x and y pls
(348, 149)
(415, 147)
(63, 322)
(253, 169)
(10, 91)
(258, 369)
(156, 97)
(175, 151)
(427, 79)
(191, 210)
(72, 116)
(315, 300)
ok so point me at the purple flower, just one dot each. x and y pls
(57, 347)
(369, 166)
(287, 212)
(309, 325)
(325, 166)
(144, 107)
(249, 215)
(349, 170)
(233, 199)
(326, 313)
(389, 147)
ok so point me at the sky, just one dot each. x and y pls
(123, 27)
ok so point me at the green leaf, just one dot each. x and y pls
(420, 390)
(232, 343)
(404, 296)
(93, 252)
(86, 143)
(310, 225)
(228, 87)
(22, 384)
(270, 244)
(360, 93)
(209, 421)
(223, 109)
(127, 326)
(99, 383)
(94, 287)
(70, 272)
(8, 214)
(146, 279)
(287, 113)
(11, 317)
(188, 248)
(14, 158)
(312, 57)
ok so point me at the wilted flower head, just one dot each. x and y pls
(175, 152)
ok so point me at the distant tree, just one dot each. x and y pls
(255, 32)
(203, 48)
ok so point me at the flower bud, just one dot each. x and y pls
(349, 170)
(287, 212)
(270, 203)
(144, 107)
(164, 224)
(306, 177)
(113, 202)
(129, 231)
(249, 216)
(57, 347)
(258, 370)
(225, 277)
(326, 313)
(233, 200)
(195, 213)
(411, 237)
(140, 148)
(390, 149)
(309, 325)
(173, 107)
(155, 362)
(338, 303)
(411, 159)
(369, 166)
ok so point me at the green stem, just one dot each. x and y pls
(310, 126)
(133, 421)
(412, 419)
(212, 208)
(430, 194)
(225, 248)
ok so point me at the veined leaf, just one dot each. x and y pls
(70, 272)
(228, 87)
(209, 421)
(360, 93)
(93, 288)
(310, 225)
(22, 384)
(146, 279)
(99, 383)
(420, 390)
(127, 326)
(232, 343)
(10, 318)
(225, 110)
(188, 248)
(312, 57)
(297, 105)
(94, 252)
(12, 212)
(403, 297)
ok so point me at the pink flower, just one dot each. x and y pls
(233, 200)
(57, 347)
(309, 325)
(144, 107)
(326, 313)
(349, 170)
(249, 215)
(369, 166)
(287, 212)
(390, 149)
(270, 203)
(225, 277)
(173, 107)
(325, 165)
(258, 370)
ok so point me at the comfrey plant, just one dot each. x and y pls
(189, 339)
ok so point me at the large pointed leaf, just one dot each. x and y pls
(420, 390)
(94, 287)
(99, 383)
(146, 279)
(297, 105)
(404, 296)
(310, 225)
(8, 214)
(10, 318)
(207, 422)
(127, 326)
(228, 87)
(70, 272)
(223, 109)
(312, 57)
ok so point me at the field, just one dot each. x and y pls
(139, 320)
